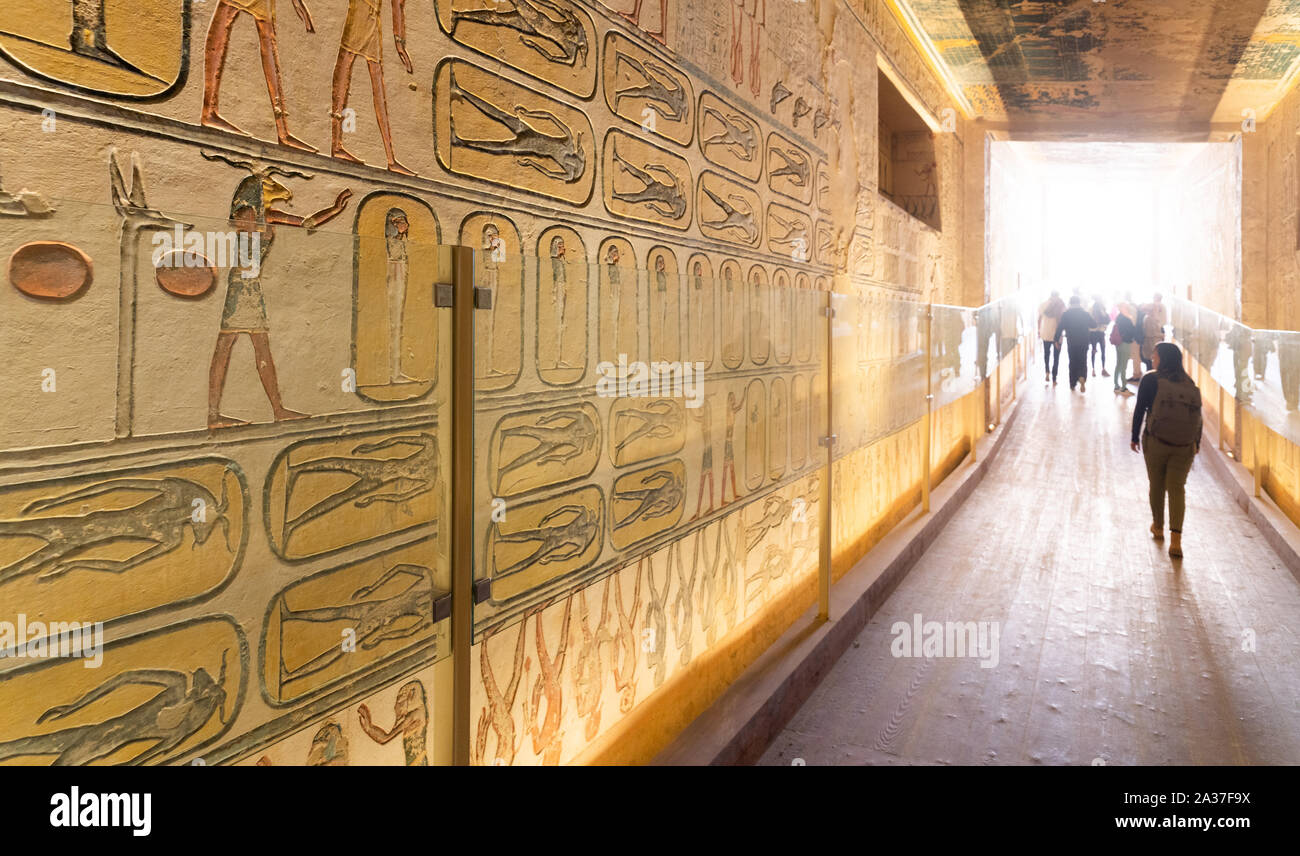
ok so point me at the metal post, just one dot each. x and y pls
(1015, 368)
(826, 544)
(1221, 444)
(462, 490)
(971, 402)
(929, 408)
(997, 408)
(1257, 434)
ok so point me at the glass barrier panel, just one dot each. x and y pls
(952, 359)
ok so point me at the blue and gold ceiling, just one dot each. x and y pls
(1138, 63)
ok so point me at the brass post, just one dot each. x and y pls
(1221, 443)
(929, 407)
(462, 491)
(1258, 435)
(825, 544)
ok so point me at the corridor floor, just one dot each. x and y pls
(1110, 652)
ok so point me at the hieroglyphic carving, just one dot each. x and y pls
(647, 91)
(642, 429)
(665, 305)
(729, 138)
(51, 270)
(544, 540)
(387, 606)
(563, 277)
(255, 212)
(143, 56)
(698, 287)
(778, 432)
(822, 187)
(541, 448)
(646, 502)
(498, 357)
(619, 301)
(759, 318)
(748, 18)
(784, 317)
(798, 421)
(156, 696)
(323, 495)
(395, 334)
(789, 232)
(553, 40)
(644, 182)
(789, 169)
(122, 542)
(491, 129)
(728, 211)
(654, 25)
(262, 13)
(779, 94)
(755, 435)
(807, 304)
(363, 38)
(732, 313)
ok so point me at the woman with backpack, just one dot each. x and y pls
(1171, 405)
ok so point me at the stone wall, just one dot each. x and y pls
(240, 465)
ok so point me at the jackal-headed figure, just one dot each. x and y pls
(363, 37)
(218, 42)
(254, 214)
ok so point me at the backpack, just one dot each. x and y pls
(1115, 337)
(1124, 326)
(1175, 416)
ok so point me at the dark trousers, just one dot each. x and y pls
(1078, 361)
(1097, 344)
(1052, 357)
(1167, 469)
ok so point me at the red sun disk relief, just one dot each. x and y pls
(50, 270)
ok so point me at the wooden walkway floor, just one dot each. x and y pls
(1108, 649)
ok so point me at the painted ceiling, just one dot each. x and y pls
(1132, 68)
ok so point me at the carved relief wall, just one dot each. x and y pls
(227, 435)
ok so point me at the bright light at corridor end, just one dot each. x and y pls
(1115, 220)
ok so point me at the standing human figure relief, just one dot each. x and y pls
(410, 720)
(396, 234)
(363, 36)
(755, 12)
(660, 35)
(560, 286)
(254, 214)
(214, 61)
(493, 256)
